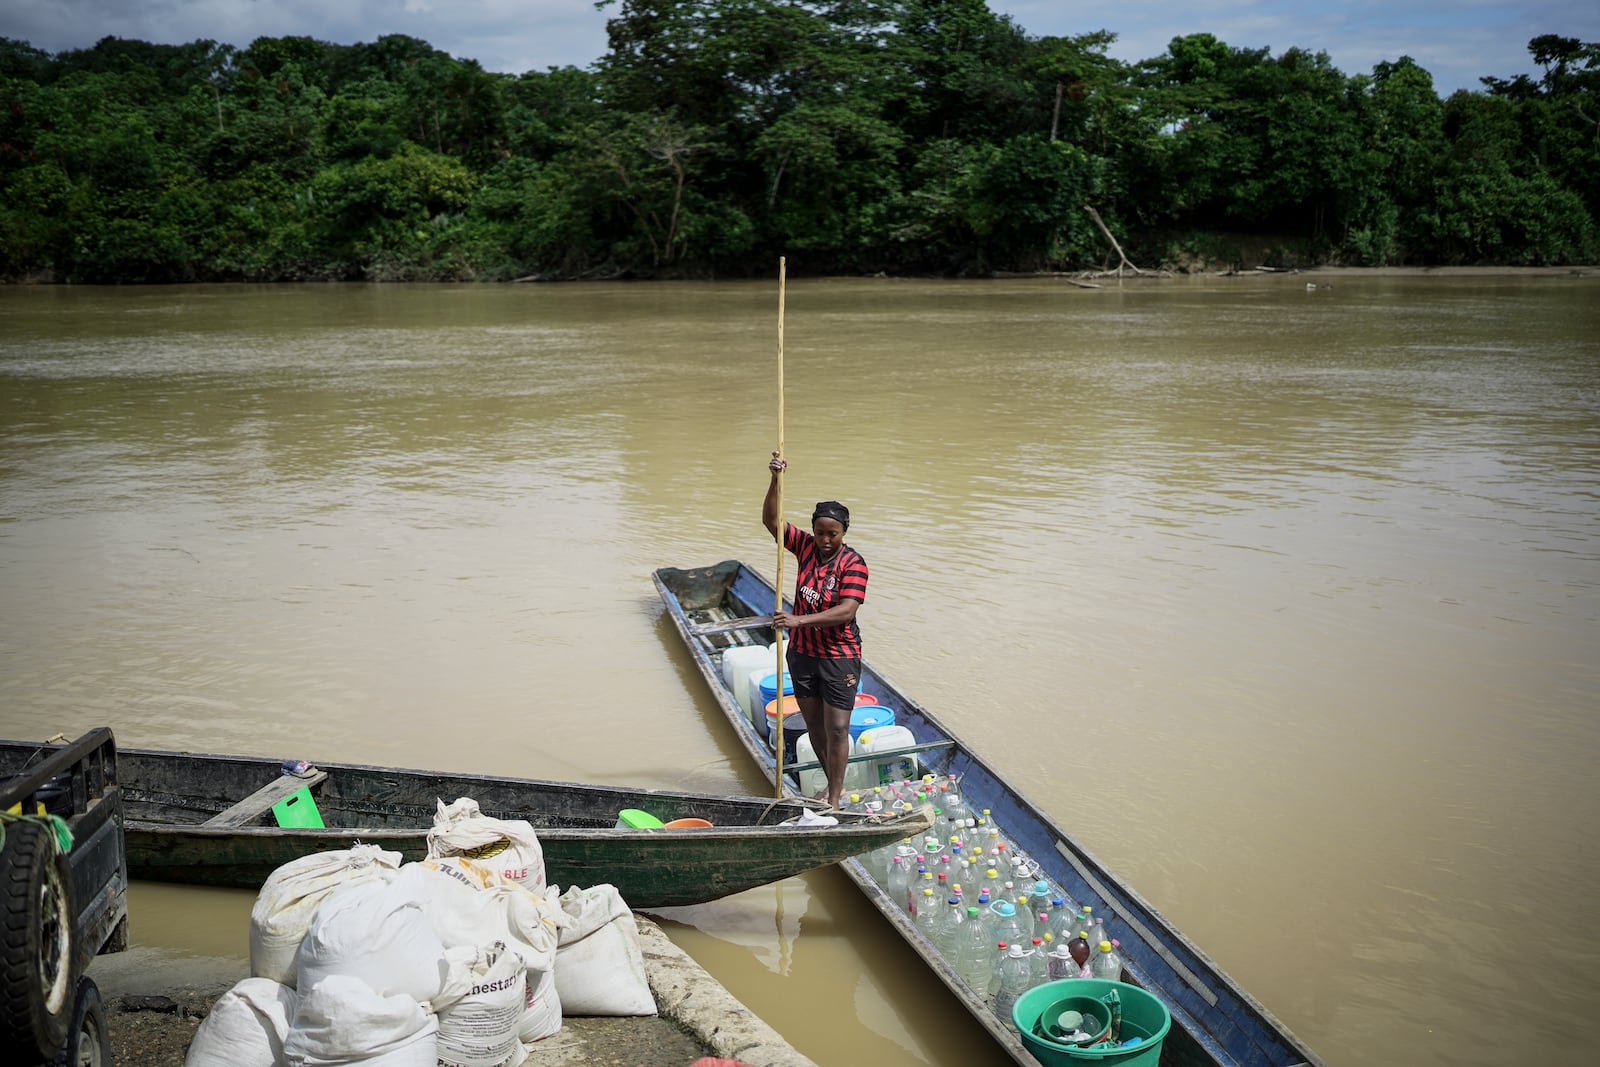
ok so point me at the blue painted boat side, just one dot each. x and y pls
(1214, 1020)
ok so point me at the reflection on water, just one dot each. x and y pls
(1284, 604)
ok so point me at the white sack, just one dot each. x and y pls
(541, 1014)
(379, 933)
(471, 905)
(482, 1005)
(509, 846)
(290, 896)
(342, 1021)
(245, 1027)
(599, 966)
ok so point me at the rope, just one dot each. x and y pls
(60, 832)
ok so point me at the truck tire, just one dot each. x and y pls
(88, 1038)
(37, 972)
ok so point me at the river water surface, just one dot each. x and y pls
(1284, 602)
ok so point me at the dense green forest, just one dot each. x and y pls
(927, 136)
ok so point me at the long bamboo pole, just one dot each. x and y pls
(778, 585)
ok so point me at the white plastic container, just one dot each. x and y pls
(737, 663)
(752, 694)
(811, 782)
(882, 771)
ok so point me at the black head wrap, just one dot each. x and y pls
(832, 509)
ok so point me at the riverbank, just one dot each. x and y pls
(156, 1003)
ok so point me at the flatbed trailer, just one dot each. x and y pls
(63, 899)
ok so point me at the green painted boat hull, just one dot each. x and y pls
(168, 796)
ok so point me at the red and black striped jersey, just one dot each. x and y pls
(818, 587)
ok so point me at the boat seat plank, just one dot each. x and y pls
(260, 802)
(711, 628)
(868, 757)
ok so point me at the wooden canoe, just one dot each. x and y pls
(177, 829)
(1214, 1021)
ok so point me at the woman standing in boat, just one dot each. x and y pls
(824, 641)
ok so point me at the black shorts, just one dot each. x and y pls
(834, 680)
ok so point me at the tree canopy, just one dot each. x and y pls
(850, 135)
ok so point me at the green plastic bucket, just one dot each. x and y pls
(1143, 1017)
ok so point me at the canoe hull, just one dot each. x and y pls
(650, 869)
(170, 795)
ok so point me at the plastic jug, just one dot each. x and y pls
(737, 663)
(811, 782)
(750, 692)
(890, 768)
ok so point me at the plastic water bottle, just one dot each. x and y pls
(996, 957)
(1097, 935)
(914, 892)
(898, 885)
(1060, 920)
(1007, 928)
(971, 879)
(1014, 974)
(1107, 964)
(926, 917)
(905, 854)
(954, 804)
(1038, 964)
(976, 947)
(1085, 925)
(1060, 963)
(949, 942)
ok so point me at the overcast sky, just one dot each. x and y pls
(1458, 41)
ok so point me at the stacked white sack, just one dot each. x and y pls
(599, 965)
(481, 1008)
(283, 909)
(471, 906)
(343, 1022)
(379, 933)
(508, 845)
(246, 1027)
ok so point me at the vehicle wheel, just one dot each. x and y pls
(36, 959)
(88, 1038)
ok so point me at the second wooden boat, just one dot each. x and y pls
(205, 820)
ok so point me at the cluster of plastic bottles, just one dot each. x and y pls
(981, 901)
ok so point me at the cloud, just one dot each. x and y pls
(1458, 42)
(503, 35)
